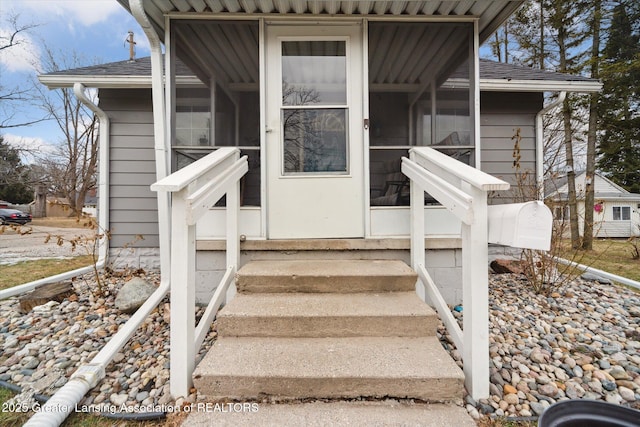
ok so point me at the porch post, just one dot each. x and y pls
(475, 296)
(417, 230)
(183, 300)
(233, 232)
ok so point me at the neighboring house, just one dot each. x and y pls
(90, 206)
(58, 207)
(324, 98)
(616, 211)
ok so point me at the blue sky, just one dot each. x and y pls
(93, 29)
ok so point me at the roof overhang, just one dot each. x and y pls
(53, 81)
(487, 85)
(631, 197)
(502, 85)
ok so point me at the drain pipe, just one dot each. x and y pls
(540, 142)
(600, 273)
(103, 204)
(64, 401)
(86, 377)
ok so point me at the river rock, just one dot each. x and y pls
(133, 294)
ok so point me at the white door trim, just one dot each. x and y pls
(316, 204)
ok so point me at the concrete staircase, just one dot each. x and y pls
(327, 330)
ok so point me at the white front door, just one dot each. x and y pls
(314, 139)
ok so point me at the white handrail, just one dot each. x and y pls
(195, 189)
(429, 158)
(463, 191)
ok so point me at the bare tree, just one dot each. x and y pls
(11, 96)
(587, 242)
(71, 170)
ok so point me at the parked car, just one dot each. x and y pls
(14, 216)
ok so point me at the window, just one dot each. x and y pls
(561, 213)
(193, 124)
(223, 111)
(422, 97)
(621, 213)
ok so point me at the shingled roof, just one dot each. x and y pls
(493, 76)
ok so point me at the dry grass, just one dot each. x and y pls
(504, 422)
(612, 256)
(62, 222)
(78, 419)
(28, 271)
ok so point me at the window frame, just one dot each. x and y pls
(621, 210)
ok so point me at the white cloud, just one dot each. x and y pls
(30, 147)
(23, 56)
(84, 12)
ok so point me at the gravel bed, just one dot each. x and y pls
(581, 342)
(39, 350)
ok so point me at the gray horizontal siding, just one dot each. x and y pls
(129, 178)
(134, 153)
(137, 216)
(133, 167)
(501, 115)
(133, 206)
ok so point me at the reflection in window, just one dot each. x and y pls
(453, 116)
(314, 72)
(314, 83)
(315, 140)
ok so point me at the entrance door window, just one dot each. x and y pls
(314, 112)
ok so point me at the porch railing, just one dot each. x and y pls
(463, 191)
(194, 190)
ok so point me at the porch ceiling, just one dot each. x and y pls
(490, 13)
(400, 57)
(228, 49)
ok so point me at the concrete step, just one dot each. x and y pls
(298, 368)
(399, 314)
(340, 276)
(321, 414)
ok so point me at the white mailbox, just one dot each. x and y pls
(521, 225)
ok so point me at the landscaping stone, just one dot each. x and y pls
(579, 343)
(507, 266)
(133, 294)
(50, 292)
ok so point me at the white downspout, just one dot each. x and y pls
(63, 402)
(540, 143)
(103, 168)
(103, 204)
